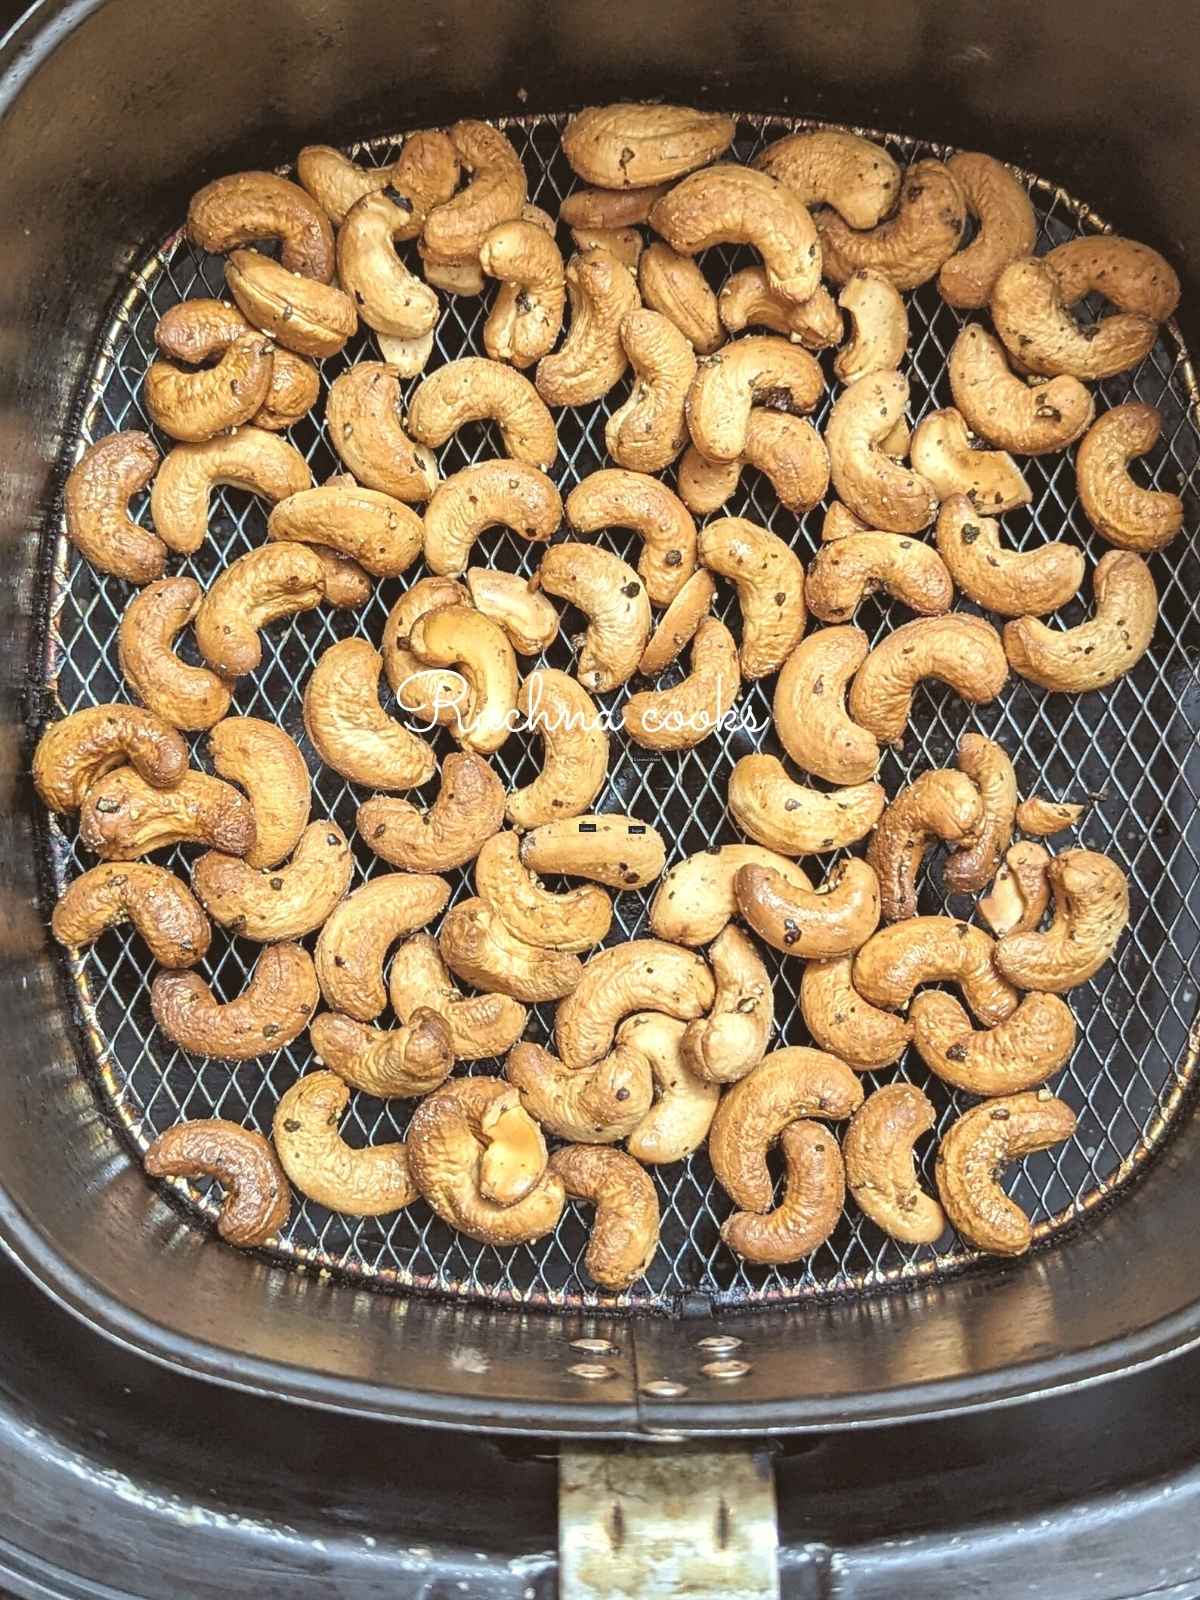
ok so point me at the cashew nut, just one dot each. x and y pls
(760, 369)
(813, 1198)
(187, 697)
(879, 326)
(335, 182)
(285, 903)
(245, 206)
(469, 808)
(842, 1022)
(302, 314)
(1039, 331)
(984, 1140)
(898, 958)
(389, 297)
(615, 602)
(76, 752)
(1032, 420)
(846, 570)
(379, 532)
(684, 1104)
(1020, 891)
(880, 1167)
(989, 769)
(475, 390)
(795, 820)
(910, 246)
(575, 921)
(649, 430)
(943, 453)
(490, 494)
(625, 1232)
(360, 931)
(607, 848)
(732, 1039)
(357, 1182)
(266, 763)
(748, 301)
(840, 521)
(770, 585)
(832, 920)
(997, 199)
(194, 406)
(1133, 277)
(676, 628)
(249, 459)
(271, 1011)
(624, 243)
(429, 694)
(1042, 817)
(385, 1062)
(962, 651)
(455, 277)
(97, 494)
(1096, 653)
(478, 946)
(527, 617)
(257, 1200)
(363, 417)
(832, 167)
(599, 1104)
(163, 910)
(527, 315)
(123, 817)
(675, 286)
(460, 637)
(456, 229)
(610, 208)
(268, 582)
(1119, 509)
(630, 145)
(809, 709)
(351, 731)
(616, 498)
(481, 1025)
(408, 356)
(789, 452)
(641, 975)
(873, 485)
(1018, 1054)
(937, 805)
(1091, 911)
(576, 750)
(696, 899)
(682, 716)
(195, 330)
(591, 359)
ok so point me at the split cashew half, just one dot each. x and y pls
(833, 920)
(696, 899)
(575, 744)
(527, 315)
(748, 301)
(982, 1142)
(898, 958)
(257, 1200)
(876, 488)
(1030, 420)
(610, 208)
(468, 810)
(625, 1231)
(614, 600)
(809, 708)
(271, 1011)
(362, 928)
(1096, 653)
(1091, 912)
(1020, 891)
(879, 326)
(676, 628)
(936, 805)
(366, 1182)
(641, 975)
(1018, 1054)
(1042, 817)
(185, 696)
(1011, 582)
(1119, 509)
(351, 731)
(942, 452)
(796, 820)
(160, 907)
(962, 651)
(616, 498)
(880, 1168)
(473, 645)
(769, 579)
(526, 615)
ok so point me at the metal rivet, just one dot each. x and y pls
(720, 1342)
(664, 1388)
(725, 1369)
(599, 1347)
(593, 1371)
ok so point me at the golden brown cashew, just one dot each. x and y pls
(625, 1233)
(123, 817)
(575, 744)
(357, 1182)
(245, 206)
(386, 1062)
(376, 530)
(351, 731)
(675, 286)
(481, 1025)
(1096, 653)
(490, 494)
(1119, 509)
(591, 359)
(456, 229)
(271, 1011)
(758, 370)
(286, 903)
(732, 1039)
(97, 494)
(479, 947)
(729, 204)
(430, 694)
(269, 582)
(943, 453)
(830, 921)
(1041, 334)
(748, 301)
(257, 1200)
(810, 707)
(937, 805)
(879, 326)
(574, 921)
(187, 697)
(1020, 891)
(910, 246)
(641, 975)
(163, 910)
(1042, 817)
(527, 315)
(302, 314)
(787, 449)
(360, 931)
(649, 430)
(984, 1140)
(389, 297)
(1018, 1054)
(846, 570)
(469, 808)
(614, 600)
(676, 628)
(335, 182)
(594, 1105)
(832, 167)
(682, 716)
(455, 277)
(248, 459)
(793, 819)
(76, 752)
(898, 958)
(997, 199)
(1131, 275)
(770, 584)
(624, 243)
(365, 427)
(478, 648)
(194, 406)
(608, 848)
(812, 1203)
(696, 898)
(527, 617)
(265, 762)
(408, 356)
(880, 1168)
(1091, 911)
(840, 521)
(616, 498)
(294, 391)
(630, 145)
(874, 486)
(786, 1085)
(1012, 583)
(610, 208)
(1000, 407)
(988, 767)
(842, 1022)
(962, 651)
(678, 1121)
(195, 330)
(475, 390)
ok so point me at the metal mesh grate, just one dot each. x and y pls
(1131, 750)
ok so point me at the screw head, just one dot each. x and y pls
(719, 1343)
(726, 1370)
(664, 1388)
(591, 1371)
(598, 1347)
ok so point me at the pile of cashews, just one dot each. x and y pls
(662, 1042)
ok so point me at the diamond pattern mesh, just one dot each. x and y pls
(1132, 751)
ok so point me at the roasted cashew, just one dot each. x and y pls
(675, 286)
(676, 628)
(575, 750)
(732, 1039)
(748, 301)
(76, 752)
(357, 1182)
(525, 614)
(942, 452)
(833, 920)
(880, 1168)
(427, 693)
(812, 1203)
(910, 246)
(195, 330)
(962, 651)
(335, 182)
(998, 201)
(1091, 911)
(1042, 817)
(381, 533)
(630, 145)
(257, 1200)
(245, 206)
(599, 1104)
(408, 357)
(626, 244)
(696, 899)
(898, 958)
(625, 1233)
(832, 167)
(456, 229)
(973, 1151)
(839, 520)
(1018, 1054)
(187, 697)
(249, 459)
(161, 908)
(795, 820)
(265, 762)
(575, 921)
(681, 717)
(729, 204)
(469, 808)
(1096, 653)
(287, 903)
(770, 585)
(490, 494)
(294, 391)
(610, 208)
(478, 648)
(986, 764)
(809, 708)
(351, 731)
(641, 975)
(481, 1025)
(454, 277)
(193, 406)
(684, 1104)
(527, 315)
(478, 946)
(271, 1011)
(302, 314)
(389, 297)
(1020, 891)
(362, 414)
(591, 359)
(614, 600)
(787, 449)
(649, 430)
(1133, 277)
(760, 369)
(475, 390)
(842, 1022)
(123, 817)
(1119, 509)
(876, 488)
(360, 931)
(607, 848)
(879, 326)
(385, 1062)
(937, 805)
(98, 490)
(615, 498)
(1040, 333)
(1032, 420)
(846, 570)
(786, 1085)
(267, 583)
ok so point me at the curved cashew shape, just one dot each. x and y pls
(748, 301)
(650, 429)
(389, 297)
(796, 820)
(456, 229)
(599, 1104)
(271, 1011)
(625, 1233)
(610, 208)
(249, 458)
(194, 406)
(608, 848)
(898, 958)
(475, 390)
(257, 1200)
(973, 1151)
(363, 416)
(788, 450)
(575, 744)
(942, 452)
(1042, 817)
(245, 206)
(574, 921)
(1000, 407)
(677, 626)
(758, 370)
(527, 617)
(769, 579)
(335, 182)
(591, 359)
(1015, 1055)
(615, 602)
(880, 1167)
(986, 764)
(284, 904)
(879, 326)
(813, 1198)
(469, 808)
(1039, 331)
(962, 651)
(351, 731)
(1091, 911)
(684, 1104)
(386, 1062)
(360, 931)
(1096, 653)
(833, 920)
(831, 167)
(478, 946)
(696, 899)
(1119, 509)
(490, 494)
(359, 1183)
(163, 910)
(809, 709)
(481, 1025)
(630, 145)
(681, 717)
(842, 1022)
(427, 693)
(616, 498)
(733, 1038)
(266, 763)
(76, 752)
(1133, 277)
(912, 244)
(846, 570)
(675, 286)
(641, 975)
(195, 330)
(997, 199)
(527, 315)
(98, 490)
(937, 805)
(478, 648)
(300, 313)
(875, 487)
(1020, 891)
(187, 697)
(123, 817)
(379, 532)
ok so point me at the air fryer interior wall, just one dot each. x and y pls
(112, 114)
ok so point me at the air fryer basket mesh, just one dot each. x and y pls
(1131, 752)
